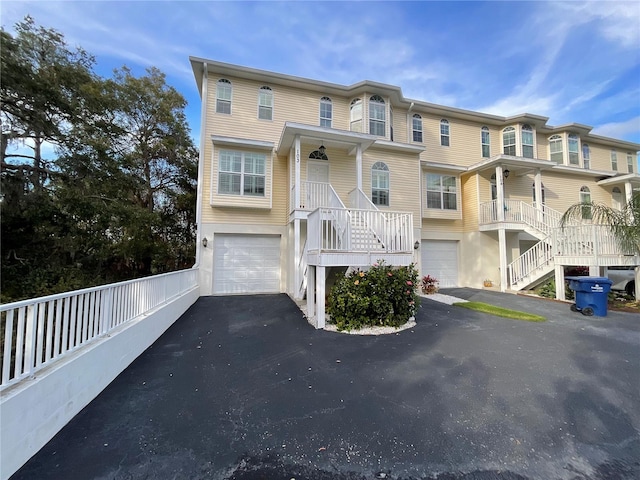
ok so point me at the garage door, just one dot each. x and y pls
(246, 264)
(440, 260)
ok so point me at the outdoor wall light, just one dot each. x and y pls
(416, 245)
(204, 242)
(506, 173)
(322, 149)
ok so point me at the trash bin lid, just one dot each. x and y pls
(586, 279)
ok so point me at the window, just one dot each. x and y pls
(326, 112)
(223, 96)
(614, 160)
(441, 192)
(586, 156)
(509, 141)
(630, 162)
(355, 112)
(265, 104)
(241, 173)
(486, 142)
(527, 141)
(316, 155)
(444, 133)
(416, 126)
(533, 186)
(585, 197)
(377, 116)
(380, 184)
(555, 149)
(573, 150)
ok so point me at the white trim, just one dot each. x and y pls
(242, 142)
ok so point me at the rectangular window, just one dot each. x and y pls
(527, 144)
(574, 157)
(441, 192)
(325, 114)
(241, 173)
(630, 163)
(614, 160)
(223, 101)
(417, 129)
(509, 140)
(444, 134)
(380, 188)
(376, 119)
(555, 148)
(486, 148)
(265, 105)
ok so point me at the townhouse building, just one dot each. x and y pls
(301, 179)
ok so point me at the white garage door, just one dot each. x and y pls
(246, 264)
(440, 260)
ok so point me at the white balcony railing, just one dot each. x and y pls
(542, 218)
(314, 195)
(359, 230)
(587, 241)
(36, 332)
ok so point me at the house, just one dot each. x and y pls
(302, 179)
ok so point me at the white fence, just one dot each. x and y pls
(36, 332)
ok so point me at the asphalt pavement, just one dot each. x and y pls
(244, 388)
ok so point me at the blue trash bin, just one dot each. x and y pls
(591, 295)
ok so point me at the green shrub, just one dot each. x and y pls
(548, 290)
(381, 296)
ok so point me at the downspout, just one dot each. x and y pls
(200, 185)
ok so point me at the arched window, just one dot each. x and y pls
(377, 116)
(486, 142)
(317, 155)
(326, 112)
(573, 150)
(416, 126)
(355, 113)
(585, 197)
(527, 141)
(533, 186)
(265, 103)
(555, 149)
(223, 96)
(614, 160)
(444, 133)
(380, 184)
(586, 156)
(509, 141)
(616, 198)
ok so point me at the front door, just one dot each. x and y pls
(318, 171)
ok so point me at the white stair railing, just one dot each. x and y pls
(538, 257)
(302, 268)
(358, 199)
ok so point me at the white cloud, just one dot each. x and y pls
(624, 129)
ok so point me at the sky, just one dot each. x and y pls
(572, 61)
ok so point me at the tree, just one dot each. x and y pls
(116, 198)
(625, 223)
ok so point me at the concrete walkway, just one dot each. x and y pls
(244, 388)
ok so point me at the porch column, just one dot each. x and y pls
(559, 277)
(500, 187)
(628, 194)
(297, 274)
(296, 153)
(359, 166)
(502, 246)
(320, 286)
(311, 291)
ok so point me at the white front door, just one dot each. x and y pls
(318, 171)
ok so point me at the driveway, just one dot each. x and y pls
(243, 388)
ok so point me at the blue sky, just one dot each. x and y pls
(570, 61)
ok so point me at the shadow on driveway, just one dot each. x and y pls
(243, 388)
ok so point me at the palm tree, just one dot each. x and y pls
(625, 223)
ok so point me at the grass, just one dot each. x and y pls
(501, 312)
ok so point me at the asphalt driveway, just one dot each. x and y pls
(243, 388)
